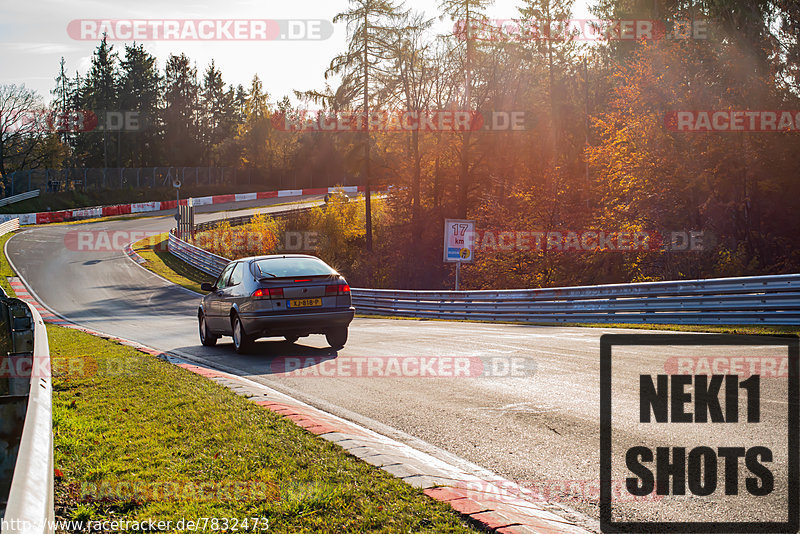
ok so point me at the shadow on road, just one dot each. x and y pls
(140, 302)
(267, 357)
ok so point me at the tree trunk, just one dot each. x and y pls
(436, 182)
(367, 189)
(415, 185)
(463, 177)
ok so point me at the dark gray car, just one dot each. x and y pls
(290, 295)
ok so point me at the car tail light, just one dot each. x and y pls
(271, 293)
(339, 289)
(276, 292)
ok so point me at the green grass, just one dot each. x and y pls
(5, 267)
(754, 330)
(161, 262)
(122, 415)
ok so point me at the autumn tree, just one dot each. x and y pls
(467, 15)
(371, 28)
(23, 133)
(410, 85)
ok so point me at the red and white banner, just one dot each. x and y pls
(47, 217)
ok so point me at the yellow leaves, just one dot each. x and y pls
(261, 236)
(340, 220)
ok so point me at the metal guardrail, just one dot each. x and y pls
(767, 300)
(30, 499)
(195, 256)
(244, 219)
(206, 261)
(26, 414)
(773, 300)
(19, 198)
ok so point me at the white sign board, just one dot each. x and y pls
(458, 240)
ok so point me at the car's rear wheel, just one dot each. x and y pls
(206, 338)
(291, 339)
(241, 341)
(337, 337)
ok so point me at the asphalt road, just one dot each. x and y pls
(540, 429)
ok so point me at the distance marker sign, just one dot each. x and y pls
(708, 426)
(459, 240)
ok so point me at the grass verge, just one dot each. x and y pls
(160, 261)
(754, 330)
(5, 267)
(150, 434)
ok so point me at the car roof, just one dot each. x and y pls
(278, 256)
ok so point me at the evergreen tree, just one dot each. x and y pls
(219, 118)
(139, 93)
(255, 130)
(182, 141)
(98, 94)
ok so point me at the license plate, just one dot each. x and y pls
(305, 303)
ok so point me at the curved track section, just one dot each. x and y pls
(538, 428)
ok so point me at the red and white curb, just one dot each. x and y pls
(487, 500)
(46, 217)
(22, 293)
(132, 254)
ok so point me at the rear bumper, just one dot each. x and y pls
(262, 324)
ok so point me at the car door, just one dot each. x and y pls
(214, 302)
(229, 294)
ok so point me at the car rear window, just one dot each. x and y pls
(281, 267)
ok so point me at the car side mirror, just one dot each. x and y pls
(207, 286)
